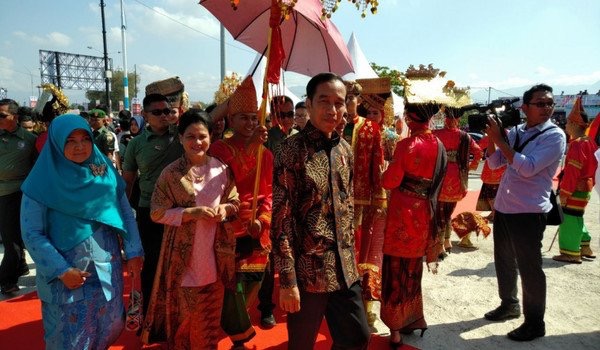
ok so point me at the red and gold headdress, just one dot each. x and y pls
(243, 100)
(578, 114)
(377, 93)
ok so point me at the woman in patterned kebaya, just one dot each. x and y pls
(193, 196)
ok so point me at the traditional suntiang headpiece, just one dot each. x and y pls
(52, 103)
(578, 114)
(453, 112)
(420, 112)
(173, 89)
(227, 87)
(377, 93)
(243, 100)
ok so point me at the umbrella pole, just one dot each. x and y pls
(260, 59)
(261, 120)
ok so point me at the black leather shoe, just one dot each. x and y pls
(528, 332)
(267, 321)
(9, 288)
(502, 313)
(24, 270)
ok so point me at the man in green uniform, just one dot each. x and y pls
(146, 156)
(103, 138)
(17, 155)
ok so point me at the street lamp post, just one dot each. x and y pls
(107, 73)
(31, 77)
(124, 44)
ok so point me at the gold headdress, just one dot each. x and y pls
(377, 93)
(227, 87)
(58, 101)
(427, 84)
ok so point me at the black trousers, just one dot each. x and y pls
(265, 293)
(518, 247)
(344, 313)
(10, 228)
(151, 235)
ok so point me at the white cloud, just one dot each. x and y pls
(15, 80)
(473, 76)
(549, 78)
(189, 22)
(59, 39)
(153, 69)
(92, 36)
(52, 39)
(500, 84)
(149, 73)
(94, 7)
(576, 79)
(201, 86)
(543, 71)
(6, 71)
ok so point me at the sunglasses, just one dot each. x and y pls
(289, 114)
(4, 115)
(158, 112)
(542, 104)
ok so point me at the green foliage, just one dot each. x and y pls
(116, 89)
(397, 78)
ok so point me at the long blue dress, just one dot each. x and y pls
(90, 317)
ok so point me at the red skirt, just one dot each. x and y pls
(402, 300)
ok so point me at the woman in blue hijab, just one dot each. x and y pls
(75, 220)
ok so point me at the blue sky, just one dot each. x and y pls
(504, 44)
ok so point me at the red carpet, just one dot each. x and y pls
(21, 329)
(21, 321)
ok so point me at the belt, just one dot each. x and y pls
(415, 186)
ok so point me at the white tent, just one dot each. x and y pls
(362, 67)
(363, 70)
(258, 78)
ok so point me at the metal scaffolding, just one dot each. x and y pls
(73, 71)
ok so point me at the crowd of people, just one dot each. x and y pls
(202, 208)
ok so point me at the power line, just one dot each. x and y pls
(190, 27)
(504, 92)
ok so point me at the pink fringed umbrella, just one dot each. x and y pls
(311, 45)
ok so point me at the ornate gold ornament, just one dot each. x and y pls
(61, 105)
(227, 87)
(330, 6)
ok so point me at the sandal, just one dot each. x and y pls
(133, 321)
(134, 317)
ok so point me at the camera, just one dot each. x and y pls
(502, 110)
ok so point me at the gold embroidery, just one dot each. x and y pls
(98, 170)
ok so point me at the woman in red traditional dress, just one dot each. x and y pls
(490, 179)
(459, 146)
(576, 183)
(414, 177)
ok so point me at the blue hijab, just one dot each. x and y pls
(140, 122)
(79, 197)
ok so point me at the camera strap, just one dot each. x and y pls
(519, 148)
